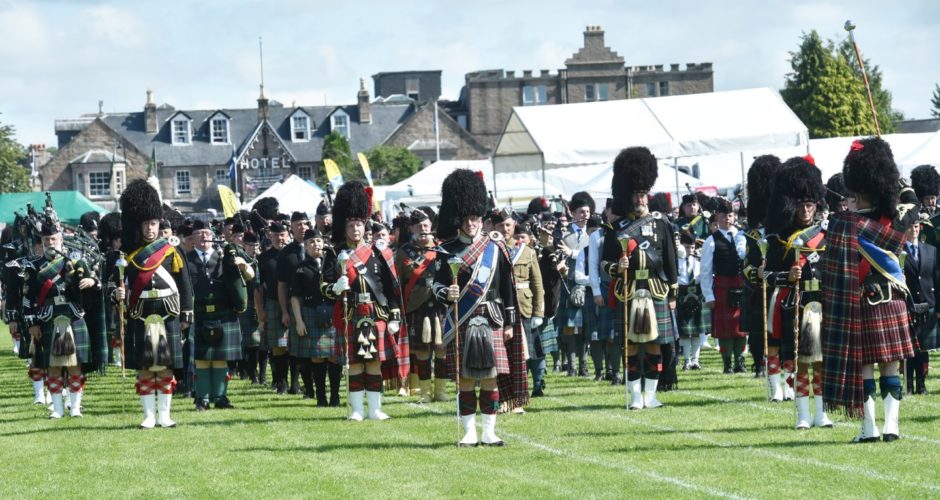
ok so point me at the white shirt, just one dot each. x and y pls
(580, 276)
(594, 262)
(708, 255)
(689, 271)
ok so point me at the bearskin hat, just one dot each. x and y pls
(581, 199)
(89, 221)
(139, 202)
(267, 207)
(926, 181)
(797, 180)
(759, 178)
(836, 191)
(661, 202)
(353, 201)
(537, 206)
(721, 205)
(869, 169)
(463, 194)
(635, 170)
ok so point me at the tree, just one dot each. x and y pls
(826, 94)
(13, 177)
(336, 148)
(392, 164)
(888, 117)
(935, 101)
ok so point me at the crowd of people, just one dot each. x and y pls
(820, 283)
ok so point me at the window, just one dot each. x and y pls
(462, 121)
(99, 184)
(651, 89)
(181, 131)
(118, 182)
(300, 127)
(219, 130)
(80, 183)
(589, 93)
(183, 185)
(341, 124)
(534, 96)
(221, 174)
(305, 172)
(663, 88)
(602, 91)
(412, 88)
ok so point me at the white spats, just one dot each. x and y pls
(636, 396)
(489, 432)
(469, 423)
(375, 406)
(356, 400)
(802, 413)
(148, 403)
(649, 393)
(869, 430)
(164, 402)
(891, 407)
(820, 419)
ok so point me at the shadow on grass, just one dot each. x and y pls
(740, 446)
(328, 448)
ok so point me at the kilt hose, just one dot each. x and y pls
(226, 348)
(726, 317)
(320, 340)
(79, 332)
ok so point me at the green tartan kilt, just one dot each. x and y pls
(549, 336)
(227, 348)
(273, 329)
(663, 322)
(97, 338)
(134, 341)
(320, 341)
(248, 322)
(692, 325)
(79, 331)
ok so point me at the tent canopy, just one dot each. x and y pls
(542, 138)
(293, 194)
(69, 205)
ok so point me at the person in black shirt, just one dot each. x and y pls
(273, 340)
(287, 261)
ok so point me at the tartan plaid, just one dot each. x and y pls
(843, 390)
(689, 326)
(248, 323)
(228, 348)
(320, 341)
(97, 336)
(79, 331)
(726, 320)
(499, 348)
(392, 349)
(514, 386)
(663, 322)
(134, 336)
(885, 334)
(549, 337)
(273, 329)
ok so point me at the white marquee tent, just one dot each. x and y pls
(294, 195)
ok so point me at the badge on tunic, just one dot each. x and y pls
(647, 230)
(813, 257)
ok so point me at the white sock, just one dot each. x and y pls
(697, 347)
(686, 345)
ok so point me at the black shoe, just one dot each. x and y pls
(598, 377)
(615, 379)
(293, 390)
(334, 402)
(759, 371)
(695, 366)
(584, 372)
(571, 373)
(224, 404)
(857, 440)
(202, 405)
(727, 370)
(467, 445)
(537, 393)
(254, 381)
(920, 388)
(888, 438)
(496, 444)
(910, 386)
(281, 388)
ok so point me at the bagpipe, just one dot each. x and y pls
(236, 288)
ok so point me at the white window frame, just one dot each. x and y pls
(97, 179)
(652, 86)
(538, 95)
(176, 138)
(305, 172)
(417, 87)
(118, 179)
(590, 92)
(221, 174)
(664, 85)
(294, 128)
(178, 183)
(214, 124)
(345, 132)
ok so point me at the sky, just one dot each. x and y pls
(58, 58)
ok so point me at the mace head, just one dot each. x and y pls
(849, 25)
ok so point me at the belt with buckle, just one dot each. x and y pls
(811, 285)
(522, 286)
(641, 274)
(363, 298)
(59, 300)
(156, 293)
(206, 308)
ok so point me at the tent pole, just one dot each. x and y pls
(495, 191)
(743, 180)
(543, 176)
(675, 166)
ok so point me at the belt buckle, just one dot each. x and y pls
(58, 300)
(151, 294)
(363, 298)
(210, 308)
(811, 285)
(642, 274)
(692, 289)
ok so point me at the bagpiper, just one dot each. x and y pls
(480, 301)
(156, 287)
(362, 279)
(864, 293)
(641, 248)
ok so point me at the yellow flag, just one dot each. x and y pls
(366, 169)
(332, 173)
(230, 204)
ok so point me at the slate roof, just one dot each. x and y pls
(387, 117)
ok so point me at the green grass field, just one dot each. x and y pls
(715, 438)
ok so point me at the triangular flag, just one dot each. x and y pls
(366, 169)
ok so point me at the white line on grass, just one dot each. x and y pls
(779, 456)
(594, 461)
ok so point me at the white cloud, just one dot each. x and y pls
(118, 27)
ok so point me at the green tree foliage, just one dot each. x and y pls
(935, 101)
(336, 148)
(888, 117)
(14, 178)
(392, 164)
(828, 95)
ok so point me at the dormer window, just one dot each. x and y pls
(218, 130)
(182, 131)
(339, 123)
(300, 127)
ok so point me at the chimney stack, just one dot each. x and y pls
(150, 114)
(365, 112)
(594, 38)
(262, 106)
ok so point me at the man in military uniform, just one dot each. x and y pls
(722, 285)
(417, 265)
(480, 300)
(641, 248)
(922, 273)
(160, 302)
(53, 317)
(216, 274)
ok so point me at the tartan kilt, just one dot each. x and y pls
(79, 331)
(549, 336)
(134, 336)
(499, 347)
(227, 348)
(392, 352)
(415, 320)
(248, 322)
(689, 325)
(663, 323)
(273, 329)
(726, 320)
(321, 338)
(885, 334)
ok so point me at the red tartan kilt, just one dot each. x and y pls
(885, 332)
(499, 349)
(726, 320)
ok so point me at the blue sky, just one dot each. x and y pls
(58, 58)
